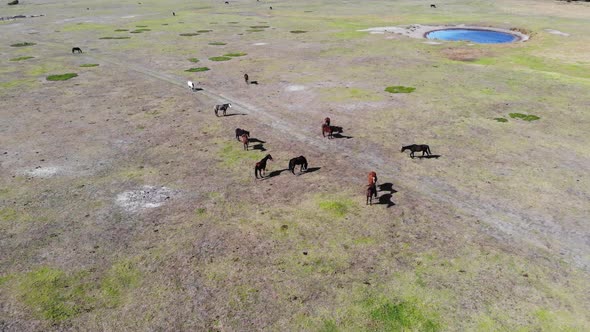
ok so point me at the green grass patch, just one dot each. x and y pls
(400, 89)
(298, 31)
(235, 54)
(121, 30)
(51, 294)
(87, 65)
(193, 60)
(140, 30)
(61, 77)
(119, 279)
(501, 119)
(525, 117)
(141, 26)
(21, 58)
(122, 37)
(217, 43)
(220, 58)
(254, 30)
(200, 211)
(402, 316)
(197, 69)
(336, 207)
(23, 44)
(259, 26)
(189, 34)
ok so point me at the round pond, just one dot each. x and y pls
(479, 36)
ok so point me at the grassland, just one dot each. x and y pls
(489, 236)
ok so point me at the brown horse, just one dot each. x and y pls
(327, 129)
(260, 167)
(244, 140)
(327, 121)
(373, 181)
(371, 191)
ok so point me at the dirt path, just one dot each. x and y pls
(503, 222)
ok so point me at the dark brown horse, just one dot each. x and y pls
(240, 132)
(244, 140)
(327, 121)
(371, 191)
(298, 161)
(246, 78)
(327, 129)
(417, 148)
(76, 49)
(373, 181)
(260, 167)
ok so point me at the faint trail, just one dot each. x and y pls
(505, 224)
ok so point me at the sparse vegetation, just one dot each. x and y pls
(254, 30)
(259, 26)
(525, 117)
(121, 30)
(220, 58)
(140, 30)
(402, 316)
(23, 44)
(61, 77)
(197, 69)
(21, 58)
(501, 119)
(204, 31)
(86, 65)
(336, 207)
(235, 54)
(122, 37)
(298, 31)
(189, 34)
(399, 89)
(193, 60)
(217, 43)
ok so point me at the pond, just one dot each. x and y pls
(479, 36)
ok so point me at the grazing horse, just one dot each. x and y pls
(191, 85)
(173, 14)
(260, 167)
(246, 78)
(327, 129)
(244, 140)
(76, 49)
(327, 121)
(433, 6)
(417, 148)
(222, 107)
(371, 191)
(298, 161)
(240, 132)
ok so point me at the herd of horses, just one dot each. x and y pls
(328, 130)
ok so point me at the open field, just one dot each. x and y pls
(125, 204)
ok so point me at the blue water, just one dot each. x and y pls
(473, 35)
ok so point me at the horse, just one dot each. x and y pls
(246, 78)
(298, 161)
(327, 129)
(222, 107)
(191, 85)
(240, 132)
(417, 148)
(373, 179)
(173, 14)
(433, 6)
(371, 191)
(76, 49)
(260, 167)
(244, 140)
(327, 121)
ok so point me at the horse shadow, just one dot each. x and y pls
(310, 170)
(435, 156)
(234, 114)
(255, 140)
(341, 136)
(386, 200)
(198, 89)
(259, 147)
(388, 186)
(274, 173)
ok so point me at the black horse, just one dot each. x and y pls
(222, 107)
(260, 167)
(417, 148)
(433, 6)
(240, 132)
(246, 78)
(76, 49)
(371, 191)
(298, 161)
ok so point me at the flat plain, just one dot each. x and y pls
(125, 204)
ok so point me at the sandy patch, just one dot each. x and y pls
(292, 88)
(44, 172)
(432, 43)
(557, 32)
(146, 198)
(260, 44)
(418, 30)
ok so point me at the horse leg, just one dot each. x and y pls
(412, 154)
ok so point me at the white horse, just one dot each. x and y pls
(191, 85)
